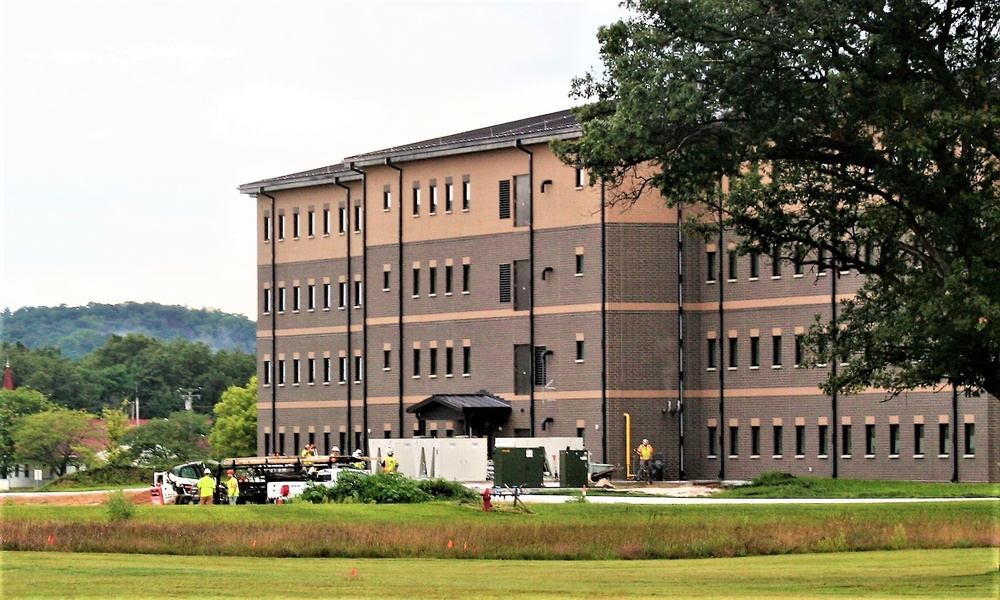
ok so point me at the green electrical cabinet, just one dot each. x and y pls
(518, 466)
(574, 468)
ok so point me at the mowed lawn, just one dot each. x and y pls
(959, 573)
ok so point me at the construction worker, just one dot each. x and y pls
(359, 463)
(645, 452)
(389, 463)
(232, 487)
(206, 488)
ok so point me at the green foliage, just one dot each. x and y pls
(163, 443)
(80, 330)
(235, 429)
(13, 405)
(105, 475)
(773, 478)
(444, 489)
(119, 506)
(55, 439)
(381, 488)
(841, 127)
(115, 422)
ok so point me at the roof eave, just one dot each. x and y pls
(462, 147)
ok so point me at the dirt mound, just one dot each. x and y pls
(73, 498)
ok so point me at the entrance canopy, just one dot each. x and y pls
(472, 414)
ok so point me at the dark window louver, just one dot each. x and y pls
(505, 199)
(540, 374)
(505, 291)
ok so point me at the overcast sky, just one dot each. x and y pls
(127, 126)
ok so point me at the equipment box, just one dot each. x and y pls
(518, 466)
(574, 468)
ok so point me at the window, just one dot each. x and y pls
(710, 266)
(845, 440)
(281, 372)
(797, 266)
(386, 359)
(918, 439)
(778, 431)
(466, 278)
(311, 300)
(295, 371)
(579, 351)
(505, 283)
(712, 431)
(281, 227)
(327, 369)
(342, 372)
(579, 263)
(578, 177)
(894, 445)
(385, 280)
(869, 440)
(311, 223)
(357, 293)
(416, 281)
(798, 350)
(775, 350)
(432, 275)
(267, 301)
(281, 299)
(733, 346)
(326, 221)
(416, 362)
(466, 193)
(267, 372)
(970, 439)
(311, 375)
(433, 368)
(342, 216)
(449, 197)
(449, 361)
(295, 225)
(754, 352)
(386, 199)
(342, 295)
(800, 440)
(732, 265)
(755, 440)
(296, 299)
(357, 218)
(734, 438)
(416, 199)
(449, 272)
(754, 265)
(327, 296)
(433, 199)
(944, 436)
(466, 361)
(822, 261)
(776, 262)
(358, 368)
(267, 228)
(823, 440)
(711, 353)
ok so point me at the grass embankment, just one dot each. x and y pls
(576, 531)
(781, 485)
(969, 573)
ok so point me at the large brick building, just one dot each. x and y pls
(473, 284)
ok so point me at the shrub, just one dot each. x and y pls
(382, 488)
(773, 478)
(107, 475)
(443, 489)
(120, 507)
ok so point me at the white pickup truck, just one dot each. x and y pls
(280, 491)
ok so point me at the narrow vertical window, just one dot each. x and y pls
(386, 359)
(326, 221)
(712, 352)
(296, 299)
(733, 262)
(432, 274)
(296, 364)
(281, 227)
(342, 372)
(778, 445)
(386, 198)
(311, 223)
(295, 225)
(433, 199)
(416, 199)
(311, 300)
(327, 369)
(970, 439)
(824, 440)
(754, 265)
(342, 216)
(281, 299)
(385, 280)
(267, 372)
(800, 440)
(775, 350)
(579, 263)
(449, 197)
(449, 361)
(466, 361)
(466, 193)
(944, 436)
(776, 262)
(357, 218)
(755, 440)
(754, 352)
(342, 295)
(918, 439)
(357, 293)
(578, 177)
(710, 266)
(416, 362)
(870, 439)
(281, 372)
(433, 368)
(894, 442)
(712, 445)
(466, 278)
(358, 368)
(845, 440)
(267, 228)
(311, 374)
(734, 440)
(799, 350)
(267, 301)
(327, 296)
(449, 272)
(579, 350)
(416, 281)
(733, 347)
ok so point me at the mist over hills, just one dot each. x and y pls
(79, 330)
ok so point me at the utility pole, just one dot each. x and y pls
(189, 396)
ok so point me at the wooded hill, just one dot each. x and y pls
(79, 330)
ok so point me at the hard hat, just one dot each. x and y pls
(208, 471)
(645, 441)
(230, 472)
(336, 449)
(389, 452)
(357, 453)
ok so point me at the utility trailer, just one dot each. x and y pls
(274, 479)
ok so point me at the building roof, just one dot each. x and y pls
(461, 402)
(532, 130)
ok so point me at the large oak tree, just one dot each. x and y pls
(861, 134)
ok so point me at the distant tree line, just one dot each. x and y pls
(130, 367)
(80, 330)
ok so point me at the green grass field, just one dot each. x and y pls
(966, 573)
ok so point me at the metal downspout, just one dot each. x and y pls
(834, 274)
(531, 274)
(399, 322)
(680, 340)
(347, 308)
(364, 306)
(723, 339)
(604, 328)
(954, 433)
(274, 325)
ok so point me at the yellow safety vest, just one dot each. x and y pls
(391, 464)
(645, 452)
(206, 486)
(233, 486)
